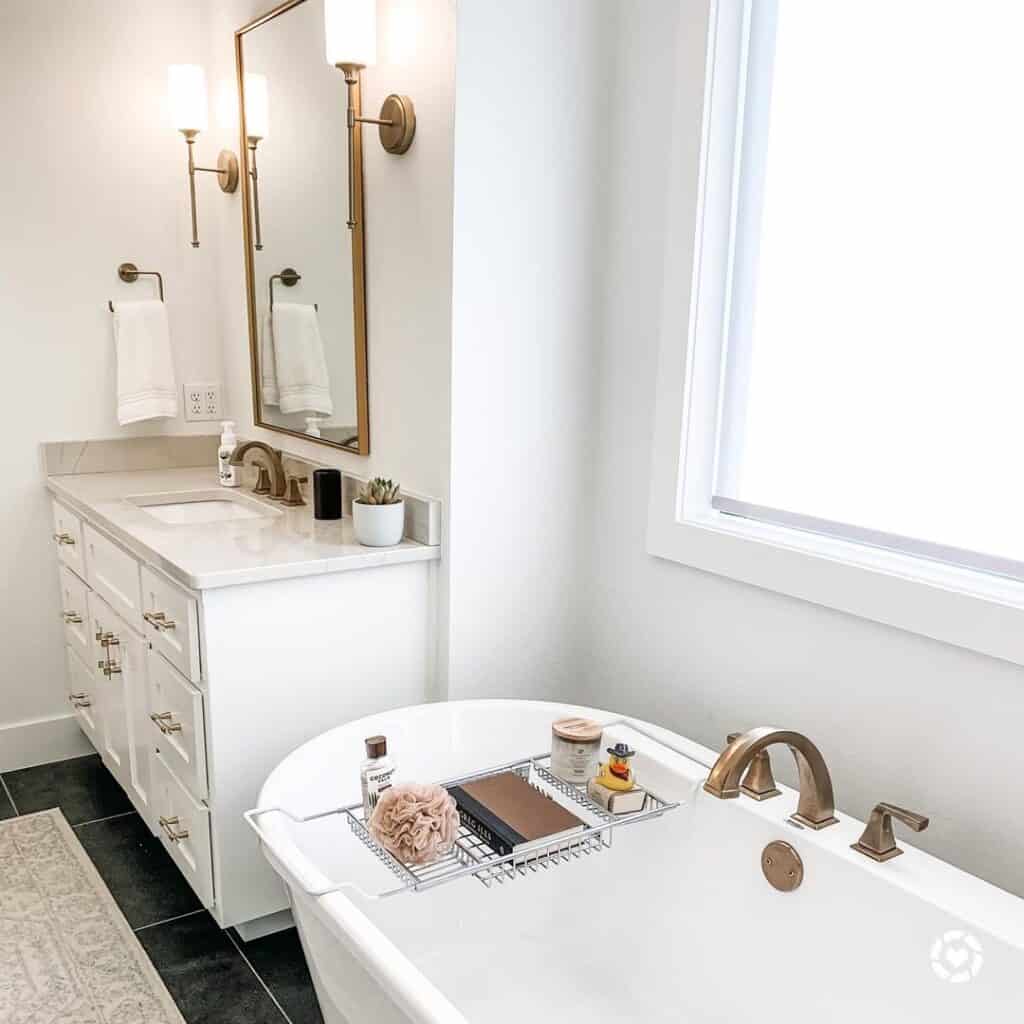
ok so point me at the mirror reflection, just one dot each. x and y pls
(305, 265)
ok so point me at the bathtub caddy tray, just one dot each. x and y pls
(470, 854)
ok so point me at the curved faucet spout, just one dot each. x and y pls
(273, 464)
(816, 808)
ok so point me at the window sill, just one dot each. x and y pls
(968, 609)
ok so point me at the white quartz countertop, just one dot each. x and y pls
(204, 556)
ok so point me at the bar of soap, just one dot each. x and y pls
(615, 801)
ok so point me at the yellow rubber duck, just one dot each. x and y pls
(616, 772)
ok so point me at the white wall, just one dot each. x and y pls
(93, 174)
(532, 99)
(898, 717)
(408, 202)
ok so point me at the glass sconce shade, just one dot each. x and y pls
(350, 32)
(186, 86)
(257, 106)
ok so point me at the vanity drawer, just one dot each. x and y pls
(114, 574)
(184, 828)
(172, 622)
(178, 724)
(75, 613)
(83, 697)
(67, 535)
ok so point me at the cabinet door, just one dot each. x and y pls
(75, 614)
(114, 573)
(177, 724)
(172, 622)
(83, 698)
(184, 827)
(67, 535)
(120, 659)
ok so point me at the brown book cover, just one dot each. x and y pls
(529, 816)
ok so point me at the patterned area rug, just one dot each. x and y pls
(67, 955)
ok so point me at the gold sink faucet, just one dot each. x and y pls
(274, 466)
(816, 808)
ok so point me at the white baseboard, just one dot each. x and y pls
(24, 744)
(261, 926)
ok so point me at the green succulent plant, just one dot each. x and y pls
(379, 492)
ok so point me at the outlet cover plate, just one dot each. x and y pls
(202, 402)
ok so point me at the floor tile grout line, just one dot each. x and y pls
(256, 974)
(168, 920)
(109, 817)
(14, 806)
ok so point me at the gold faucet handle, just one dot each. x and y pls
(293, 492)
(262, 480)
(759, 782)
(877, 841)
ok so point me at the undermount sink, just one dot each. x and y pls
(188, 508)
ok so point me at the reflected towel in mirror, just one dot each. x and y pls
(303, 383)
(268, 371)
(146, 388)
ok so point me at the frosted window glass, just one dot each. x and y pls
(880, 382)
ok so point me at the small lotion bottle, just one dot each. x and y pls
(227, 473)
(375, 773)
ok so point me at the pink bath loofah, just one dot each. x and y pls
(417, 823)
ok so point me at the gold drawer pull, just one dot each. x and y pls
(158, 620)
(167, 824)
(80, 700)
(64, 538)
(71, 618)
(109, 667)
(164, 724)
(109, 640)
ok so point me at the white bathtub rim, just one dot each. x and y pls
(965, 898)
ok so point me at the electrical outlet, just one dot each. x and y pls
(211, 401)
(202, 402)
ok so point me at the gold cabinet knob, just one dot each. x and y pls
(71, 618)
(64, 538)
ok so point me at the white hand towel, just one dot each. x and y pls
(302, 381)
(268, 366)
(146, 388)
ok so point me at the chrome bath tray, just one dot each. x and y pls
(471, 856)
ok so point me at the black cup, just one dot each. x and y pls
(327, 493)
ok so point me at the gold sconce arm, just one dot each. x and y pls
(226, 171)
(252, 140)
(397, 127)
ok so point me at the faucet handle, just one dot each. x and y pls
(293, 492)
(262, 481)
(877, 841)
(759, 782)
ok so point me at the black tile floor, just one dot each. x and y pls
(213, 976)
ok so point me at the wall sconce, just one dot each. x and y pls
(186, 85)
(350, 35)
(257, 127)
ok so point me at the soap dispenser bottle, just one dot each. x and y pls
(228, 443)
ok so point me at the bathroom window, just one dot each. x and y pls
(855, 350)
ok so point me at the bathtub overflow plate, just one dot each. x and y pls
(782, 866)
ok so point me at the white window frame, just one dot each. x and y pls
(960, 606)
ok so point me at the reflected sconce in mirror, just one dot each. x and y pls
(350, 35)
(186, 85)
(257, 127)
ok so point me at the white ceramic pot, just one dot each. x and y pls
(379, 526)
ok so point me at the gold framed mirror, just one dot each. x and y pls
(305, 267)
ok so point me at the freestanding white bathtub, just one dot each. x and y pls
(674, 923)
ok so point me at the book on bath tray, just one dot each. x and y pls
(511, 816)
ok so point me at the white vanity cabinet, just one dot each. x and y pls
(193, 696)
